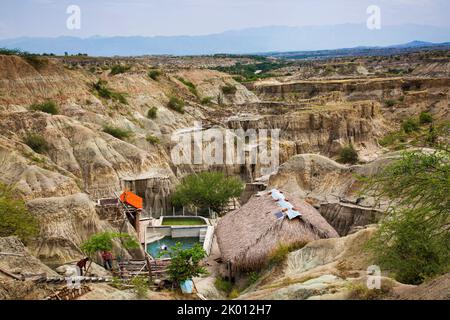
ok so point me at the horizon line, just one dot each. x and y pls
(211, 34)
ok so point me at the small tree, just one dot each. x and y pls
(207, 190)
(104, 242)
(15, 220)
(413, 239)
(185, 263)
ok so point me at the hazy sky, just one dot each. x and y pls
(194, 17)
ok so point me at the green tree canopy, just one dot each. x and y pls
(15, 220)
(207, 189)
(104, 242)
(413, 239)
(185, 263)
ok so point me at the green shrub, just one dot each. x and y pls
(392, 139)
(206, 101)
(234, 294)
(154, 74)
(348, 154)
(412, 241)
(410, 125)
(185, 263)
(15, 220)
(49, 107)
(253, 277)
(390, 103)
(229, 89)
(425, 118)
(117, 132)
(153, 139)
(176, 104)
(279, 255)
(100, 89)
(104, 242)
(192, 88)
(416, 249)
(223, 285)
(152, 113)
(36, 142)
(140, 287)
(117, 69)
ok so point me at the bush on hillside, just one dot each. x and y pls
(36, 142)
(229, 89)
(49, 107)
(176, 104)
(117, 69)
(348, 154)
(413, 239)
(410, 125)
(154, 74)
(425, 118)
(152, 113)
(117, 132)
(15, 220)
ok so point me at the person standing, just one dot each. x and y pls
(81, 265)
(107, 260)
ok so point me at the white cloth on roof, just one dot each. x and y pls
(293, 214)
(276, 194)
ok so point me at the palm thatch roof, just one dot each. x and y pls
(247, 236)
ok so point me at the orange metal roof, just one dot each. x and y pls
(130, 198)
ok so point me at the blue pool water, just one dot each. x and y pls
(154, 248)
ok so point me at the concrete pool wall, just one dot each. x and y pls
(160, 221)
(204, 233)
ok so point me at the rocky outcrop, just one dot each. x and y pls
(323, 180)
(321, 129)
(322, 269)
(345, 218)
(65, 223)
(418, 94)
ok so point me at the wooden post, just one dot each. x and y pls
(149, 267)
(137, 224)
(183, 211)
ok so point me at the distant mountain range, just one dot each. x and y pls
(413, 46)
(253, 40)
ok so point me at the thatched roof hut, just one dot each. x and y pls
(248, 236)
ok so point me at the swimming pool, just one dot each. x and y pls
(154, 248)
